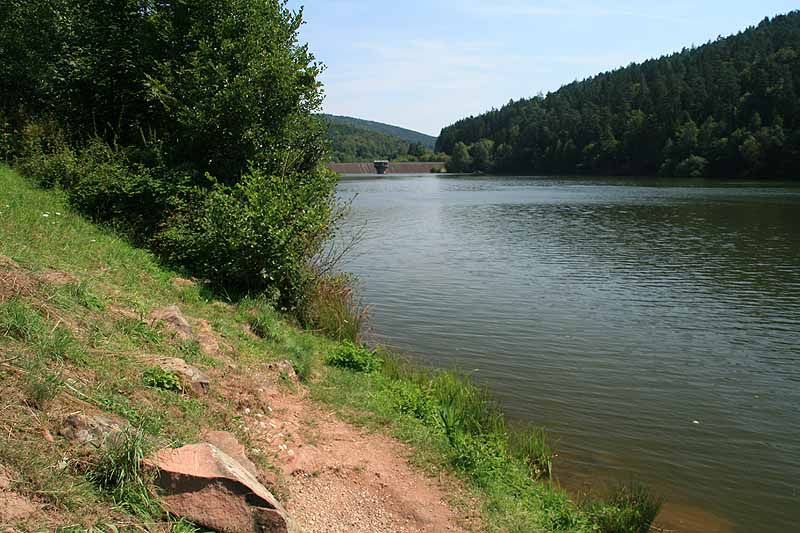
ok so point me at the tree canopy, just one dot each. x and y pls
(191, 126)
(729, 108)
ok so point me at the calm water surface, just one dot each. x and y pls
(652, 326)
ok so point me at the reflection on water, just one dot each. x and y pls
(652, 326)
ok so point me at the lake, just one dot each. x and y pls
(652, 326)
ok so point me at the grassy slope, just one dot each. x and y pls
(74, 347)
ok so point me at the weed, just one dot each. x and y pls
(138, 330)
(78, 293)
(119, 472)
(353, 357)
(332, 308)
(108, 398)
(60, 346)
(184, 526)
(630, 508)
(410, 399)
(23, 322)
(20, 321)
(158, 378)
(533, 447)
(262, 325)
(303, 357)
(41, 387)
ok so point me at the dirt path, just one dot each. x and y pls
(338, 477)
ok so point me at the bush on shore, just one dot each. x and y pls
(193, 131)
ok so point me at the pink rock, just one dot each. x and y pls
(191, 377)
(211, 489)
(173, 318)
(229, 444)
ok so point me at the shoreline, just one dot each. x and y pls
(449, 428)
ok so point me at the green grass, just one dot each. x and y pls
(68, 344)
(119, 473)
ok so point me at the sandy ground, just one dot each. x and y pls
(338, 477)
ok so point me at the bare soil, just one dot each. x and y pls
(338, 477)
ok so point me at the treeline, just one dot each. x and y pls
(730, 108)
(191, 127)
(353, 144)
(411, 136)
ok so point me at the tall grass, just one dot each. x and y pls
(119, 473)
(631, 508)
(532, 445)
(332, 308)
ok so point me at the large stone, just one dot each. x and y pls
(91, 431)
(209, 488)
(173, 318)
(192, 378)
(229, 444)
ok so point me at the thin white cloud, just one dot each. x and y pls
(440, 79)
(518, 8)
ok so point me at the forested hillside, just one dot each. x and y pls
(730, 108)
(354, 140)
(410, 136)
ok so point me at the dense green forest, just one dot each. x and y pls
(191, 127)
(407, 135)
(730, 108)
(355, 140)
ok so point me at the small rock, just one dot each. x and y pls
(209, 488)
(206, 339)
(193, 378)
(285, 368)
(173, 318)
(87, 430)
(182, 282)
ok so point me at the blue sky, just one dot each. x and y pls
(424, 64)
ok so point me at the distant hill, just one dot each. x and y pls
(730, 108)
(354, 141)
(409, 136)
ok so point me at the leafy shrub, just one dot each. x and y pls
(158, 378)
(353, 357)
(692, 167)
(256, 235)
(132, 197)
(7, 140)
(45, 155)
(412, 400)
